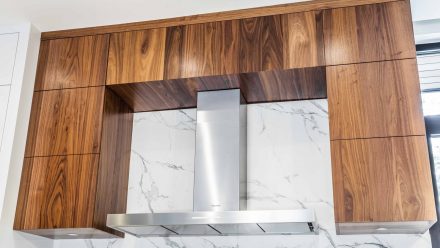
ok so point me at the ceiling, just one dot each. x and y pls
(48, 15)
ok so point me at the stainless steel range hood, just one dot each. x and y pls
(219, 183)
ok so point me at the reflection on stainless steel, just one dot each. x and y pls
(300, 221)
(219, 183)
(220, 147)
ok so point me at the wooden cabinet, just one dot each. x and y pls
(76, 169)
(65, 122)
(217, 48)
(368, 33)
(72, 62)
(57, 192)
(377, 99)
(360, 53)
(381, 171)
(382, 180)
(136, 56)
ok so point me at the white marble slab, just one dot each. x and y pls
(288, 167)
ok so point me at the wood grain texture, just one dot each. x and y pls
(65, 122)
(377, 99)
(57, 192)
(72, 62)
(284, 85)
(267, 86)
(171, 94)
(114, 161)
(381, 180)
(303, 40)
(261, 43)
(368, 33)
(136, 56)
(211, 17)
(202, 50)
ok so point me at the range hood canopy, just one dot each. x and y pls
(300, 221)
(219, 183)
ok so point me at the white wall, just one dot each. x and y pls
(425, 9)
(19, 45)
(8, 51)
(49, 15)
(426, 18)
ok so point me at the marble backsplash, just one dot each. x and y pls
(288, 167)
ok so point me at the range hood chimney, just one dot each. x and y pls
(219, 183)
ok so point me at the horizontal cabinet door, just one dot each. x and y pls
(377, 99)
(57, 192)
(136, 56)
(368, 33)
(202, 49)
(382, 180)
(73, 62)
(65, 122)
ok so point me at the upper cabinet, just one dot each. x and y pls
(136, 56)
(366, 33)
(256, 44)
(376, 99)
(72, 62)
(358, 34)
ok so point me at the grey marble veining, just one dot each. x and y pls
(288, 167)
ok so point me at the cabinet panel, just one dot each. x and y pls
(374, 100)
(368, 33)
(261, 43)
(304, 41)
(285, 85)
(136, 56)
(57, 192)
(114, 161)
(202, 50)
(72, 62)
(65, 122)
(382, 180)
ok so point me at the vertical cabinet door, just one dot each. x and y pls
(368, 33)
(65, 122)
(382, 180)
(261, 43)
(377, 99)
(57, 192)
(71, 63)
(303, 40)
(136, 56)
